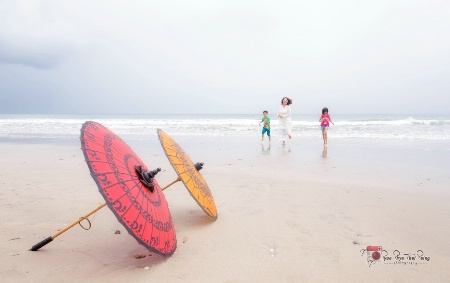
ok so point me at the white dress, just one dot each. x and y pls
(284, 123)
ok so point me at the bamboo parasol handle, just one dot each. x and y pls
(176, 180)
(51, 238)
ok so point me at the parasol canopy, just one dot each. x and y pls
(188, 173)
(128, 188)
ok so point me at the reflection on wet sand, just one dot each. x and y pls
(265, 150)
(325, 151)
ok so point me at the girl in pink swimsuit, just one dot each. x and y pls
(325, 120)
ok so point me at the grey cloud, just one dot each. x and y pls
(39, 58)
(234, 57)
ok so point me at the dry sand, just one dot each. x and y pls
(297, 214)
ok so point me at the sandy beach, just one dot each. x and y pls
(294, 214)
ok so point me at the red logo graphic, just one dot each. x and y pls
(374, 253)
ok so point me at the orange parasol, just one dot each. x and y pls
(188, 173)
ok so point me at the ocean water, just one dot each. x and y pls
(54, 128)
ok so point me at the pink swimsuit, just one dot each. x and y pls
(325, 120)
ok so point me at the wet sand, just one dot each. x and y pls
(293, 214)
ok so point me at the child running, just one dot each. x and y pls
(266, 125)
(325, 120)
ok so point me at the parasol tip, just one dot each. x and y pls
(198, 166)
(146, 177)
(154, 172)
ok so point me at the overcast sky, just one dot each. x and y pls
(206, 57)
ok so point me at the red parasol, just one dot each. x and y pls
(113, 164)
(128, 188)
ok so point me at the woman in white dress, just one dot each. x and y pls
(284, 119)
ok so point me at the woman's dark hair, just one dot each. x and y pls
(289, 100)
(325, 109)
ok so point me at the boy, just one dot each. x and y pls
(266, 125)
